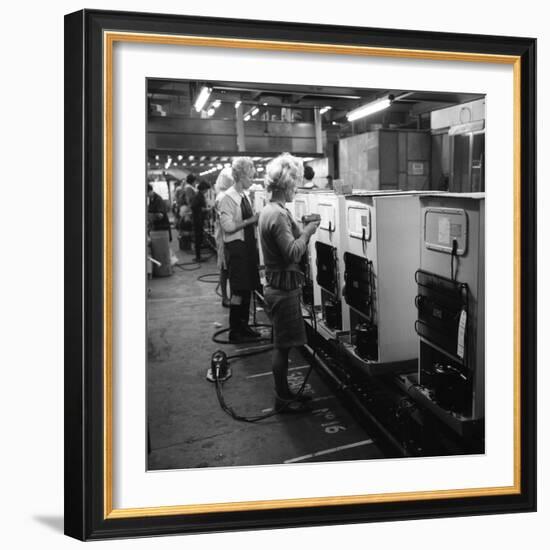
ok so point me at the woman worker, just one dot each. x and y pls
(283, 245)
(238, 221)
(223, 183)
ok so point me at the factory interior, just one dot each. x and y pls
(393, 293)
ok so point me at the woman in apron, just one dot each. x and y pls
(238, 223)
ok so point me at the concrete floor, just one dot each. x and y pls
(187, 427)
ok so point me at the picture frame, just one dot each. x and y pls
(90, 36)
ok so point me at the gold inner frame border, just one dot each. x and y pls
(109, 39)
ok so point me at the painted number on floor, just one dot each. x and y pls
(332, 424)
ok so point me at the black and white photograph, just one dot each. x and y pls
(315, 264)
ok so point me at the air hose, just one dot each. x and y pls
(218, 361)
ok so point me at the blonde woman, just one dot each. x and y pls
(238, 221)
(283, 246)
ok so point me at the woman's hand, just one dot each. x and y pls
(311, 227)
(253, 219)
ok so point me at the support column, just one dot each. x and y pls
(318, 119)
(239, 123)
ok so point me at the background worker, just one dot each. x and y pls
(309, 174)
(238, 222)
(157, 212)
(199, 210)
(283, 246)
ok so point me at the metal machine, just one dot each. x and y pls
(380, 257)
(326, 269)
(450, 309)
(304, 204)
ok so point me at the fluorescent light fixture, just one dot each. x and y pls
(216, 103)
(180, 157)
(202, 98)
(156, 157)
(369, 109)
(325, 109)
(255, 111)
(247, 118)
(211, 111)
(237, 104)
(191, 157)
(264, 104)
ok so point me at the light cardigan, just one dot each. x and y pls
(231, 215)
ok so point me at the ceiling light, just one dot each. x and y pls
(325, 109)
(264, 104)
(175, 164)
(211, 111)
(237, 104)
(180, 157)
(202, 98)
(191, 157)
(255, 111)
(369, 109)
(216, 103)
(219, 166)
(247, 118)
(156, 157)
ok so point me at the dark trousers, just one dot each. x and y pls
(199, 232)
(238, 314)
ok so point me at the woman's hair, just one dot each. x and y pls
(224, 180)
(283, 172)
(242, 167)
(203, 185)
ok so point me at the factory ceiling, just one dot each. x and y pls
(180, 136)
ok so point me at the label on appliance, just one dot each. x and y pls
(461, 333)
(417, 168)
(444, 230)
(359, 222)
(328, 217)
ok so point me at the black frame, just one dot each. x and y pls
(84, 489)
